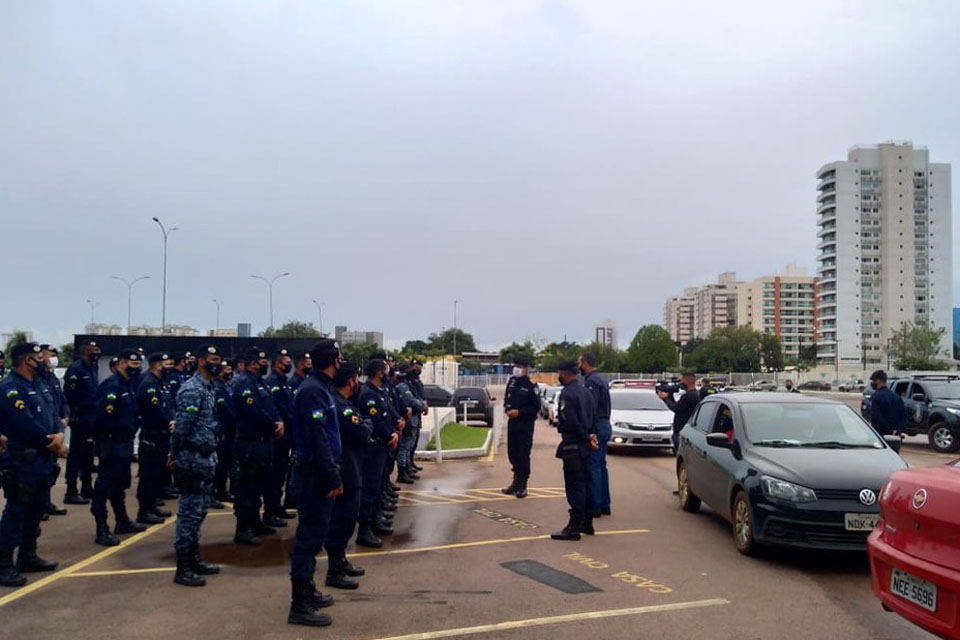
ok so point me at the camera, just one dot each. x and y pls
(668, 386)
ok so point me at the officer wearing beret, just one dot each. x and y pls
(522, 405)
(156, 422)
(81, 381)
(273, 512)
(226, 414)
(115, 425)
(258, 425)
(34, 440)
(316, 441)
(193, 456)
(578, 437)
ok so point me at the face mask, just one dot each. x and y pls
(517, 372)
(213, 368)
(166, 372)
(264, 366)
(53, 362)
(873, 385)
(582, 372)
(34, 364)
(287, 368)
(132, 372)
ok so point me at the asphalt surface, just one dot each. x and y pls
(653, 571)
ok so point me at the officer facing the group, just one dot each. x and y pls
(522, 405)
(34, 440)
(156, 422)
(888, 415)
(273, 512)
(258, 425)
(114, 429)
(316, 438)
(578, 437)
(193, 456)
(600, 392)
(81, 381)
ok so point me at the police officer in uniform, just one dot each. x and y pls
(316, 440)
(193, 456)
(578, 437)
(600, 392)
(373, 405)
(522, 405)
(57, 402)
(115, 426)
(301, 367)
(34, 439)
(226, 415)
(355, 432)
(416, 386)
(156, 421)
(274, 515)
(81, 381)
(258, 425)
(406, 473)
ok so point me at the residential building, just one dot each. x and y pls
(678, 315)
(781, 305)
(884, 234)
(223, 333)
(343, 336)
(605, 333)
(6, 338)
(700, 310)
(100, 329)
(244, 330)
(145, 330)
(956, 326)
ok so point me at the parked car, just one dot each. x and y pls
(785, 469)
(914, 556)
(639, 419)
(546, 393)
(437, 395)
(480, 407)
(762, 385)
(854, 384)
(814, 385)
(933, 408)
(553, 408)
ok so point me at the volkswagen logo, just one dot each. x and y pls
(919, 499)
(868, 497)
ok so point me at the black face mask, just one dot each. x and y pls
(582, 371)
(873, 385)
(132, 372)
(287, 368)
(213, 368)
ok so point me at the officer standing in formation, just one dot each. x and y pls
(32, 435)
(415, 409)
(81, 381)
(578, 437)
(56, 398)
(227, 415)
(600, 392)
(274, 512)
(373, 404)
(193, 457)
(156, 422)
(522, 406)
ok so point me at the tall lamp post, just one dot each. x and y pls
(163, 309)
(129, 284)
(455, 328)
(270, 286)
(218, 303)
(319, 315)
(93, 306)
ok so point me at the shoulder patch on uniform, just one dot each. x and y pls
(355, 419)
(73, 377)
(154, 400)
(274, 389)
(12, 393)
(371, 403)
(220, 401)
(111, 396)
(152, 390)
(348, 411)
(109, 408)
(191, 409)
(317, 414)
(373, 411)
(246, 393)
(249, 400)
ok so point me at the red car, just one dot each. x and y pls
(915, 549)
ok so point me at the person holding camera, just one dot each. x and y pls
(684, 407)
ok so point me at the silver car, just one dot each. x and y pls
(640, 419)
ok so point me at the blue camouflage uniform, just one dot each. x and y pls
(599, 478)
(193, 447)
(407, 442)
(156, 413)
(115, 426)
(256, 418)
(373, 405)
(316, 442)
(81, 382)
(355, 433)
(280, 462)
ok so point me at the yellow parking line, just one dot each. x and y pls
(435, 496)
(120, 572)
(106, 553)
(573, 617)
(414, 500)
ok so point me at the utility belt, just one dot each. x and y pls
(25, 456)
(204, 448)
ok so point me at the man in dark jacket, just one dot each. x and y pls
(682, 409)
(522, 405)
(578, 437)
(888, 415)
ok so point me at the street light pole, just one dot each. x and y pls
(455, 328)
(319, 315)
(270, 286)
(93, 306)
(218, 303)
(129, 284)
(163, 309)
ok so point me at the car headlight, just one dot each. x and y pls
(955, 412)
(621, 425)
(783, 490)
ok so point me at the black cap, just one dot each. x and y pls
(379, 355)
(89, 343)
(282, 352)
(177, 356)
(157, 357)
(114, 360)
(375, 366)
(301, 356)
(416, 361)
(254, 354)
(207, 350)
(879, 374)
(129, 354)
(24, 349)
(569, 366)
(187, 354)
(324, 352)
(521, 361)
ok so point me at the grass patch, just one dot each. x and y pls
(454, 435)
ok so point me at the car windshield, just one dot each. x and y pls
(637, 401)
(828, 426)
(944, 390)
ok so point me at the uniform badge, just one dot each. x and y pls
(111, 396)
(19, 405)
(274, 389)
(246, 393)
(355, 419)
(371, 403)
(12, 393)
(373, 411)
(154, 400)
(221, 401)
(249, 400)
(317, 415)
(191, 409)
(152, 390)
(109, 408)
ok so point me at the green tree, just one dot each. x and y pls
(443, 343)
(728, 349)
(17, 337)
(415, 347)
(808, 356)
(557, 352)
(651, 350)
(66, 354)
(917, 347)
(511, 351)
(292, 329)
(358, 353)
(771, 352)
(609, 360)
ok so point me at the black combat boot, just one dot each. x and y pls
(244, 534)
(104, 537)
(261, 529)
(73, 496)
(270, 520)
(366, 538)
(412, 474)
(199, 566)
(569, 532)
(86, 492)
(217, 505)
(302, 610)
(124, 523)
(283, 513)
(336, 575)
(392, 486)
(511, 489)
(319, 600)
(54, 510)
(169, 492)
(381, 528)
(163, 513)
(185, 574)
(404, 477)
(29, 562)
(9, 576)
(416, 467)
(521, 491)
(148, 517)
(351, 569)
(587, 526)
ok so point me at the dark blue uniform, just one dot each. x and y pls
(599, 478)
(280, 463)
(227, 416)
(521, 395)
(888, 415)
(355, 433)
(81, 394)
(26, 420)
(115, 427)
(412, 429)
(575, 426)
(373, 405)
(256, 422)
(316, 442)
(156, 413)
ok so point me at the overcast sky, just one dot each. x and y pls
(550, 164)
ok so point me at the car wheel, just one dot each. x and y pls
(743, 525)
(688, 500)
(942, 438)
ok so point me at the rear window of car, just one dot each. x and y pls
(472, 394)
(636, 401)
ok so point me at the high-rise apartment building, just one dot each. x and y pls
(678, 316)
(884, 234)
(700, 310)
(605, 333)
(781, 305)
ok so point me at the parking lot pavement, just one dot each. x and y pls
(468, 561)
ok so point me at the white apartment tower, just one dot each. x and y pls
(884, 250)
(678, 315)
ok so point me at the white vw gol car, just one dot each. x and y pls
(640, 419)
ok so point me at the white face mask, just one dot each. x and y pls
(518, 372)
(54, 362)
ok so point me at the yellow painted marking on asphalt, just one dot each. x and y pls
(429, 497)
(495, 492)
(572, 617)
(120, 572)
(473, 495)
(86, 562)
(413, 500)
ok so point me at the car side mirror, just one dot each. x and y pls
(718, 440)
(918, 397)
(894, 442)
